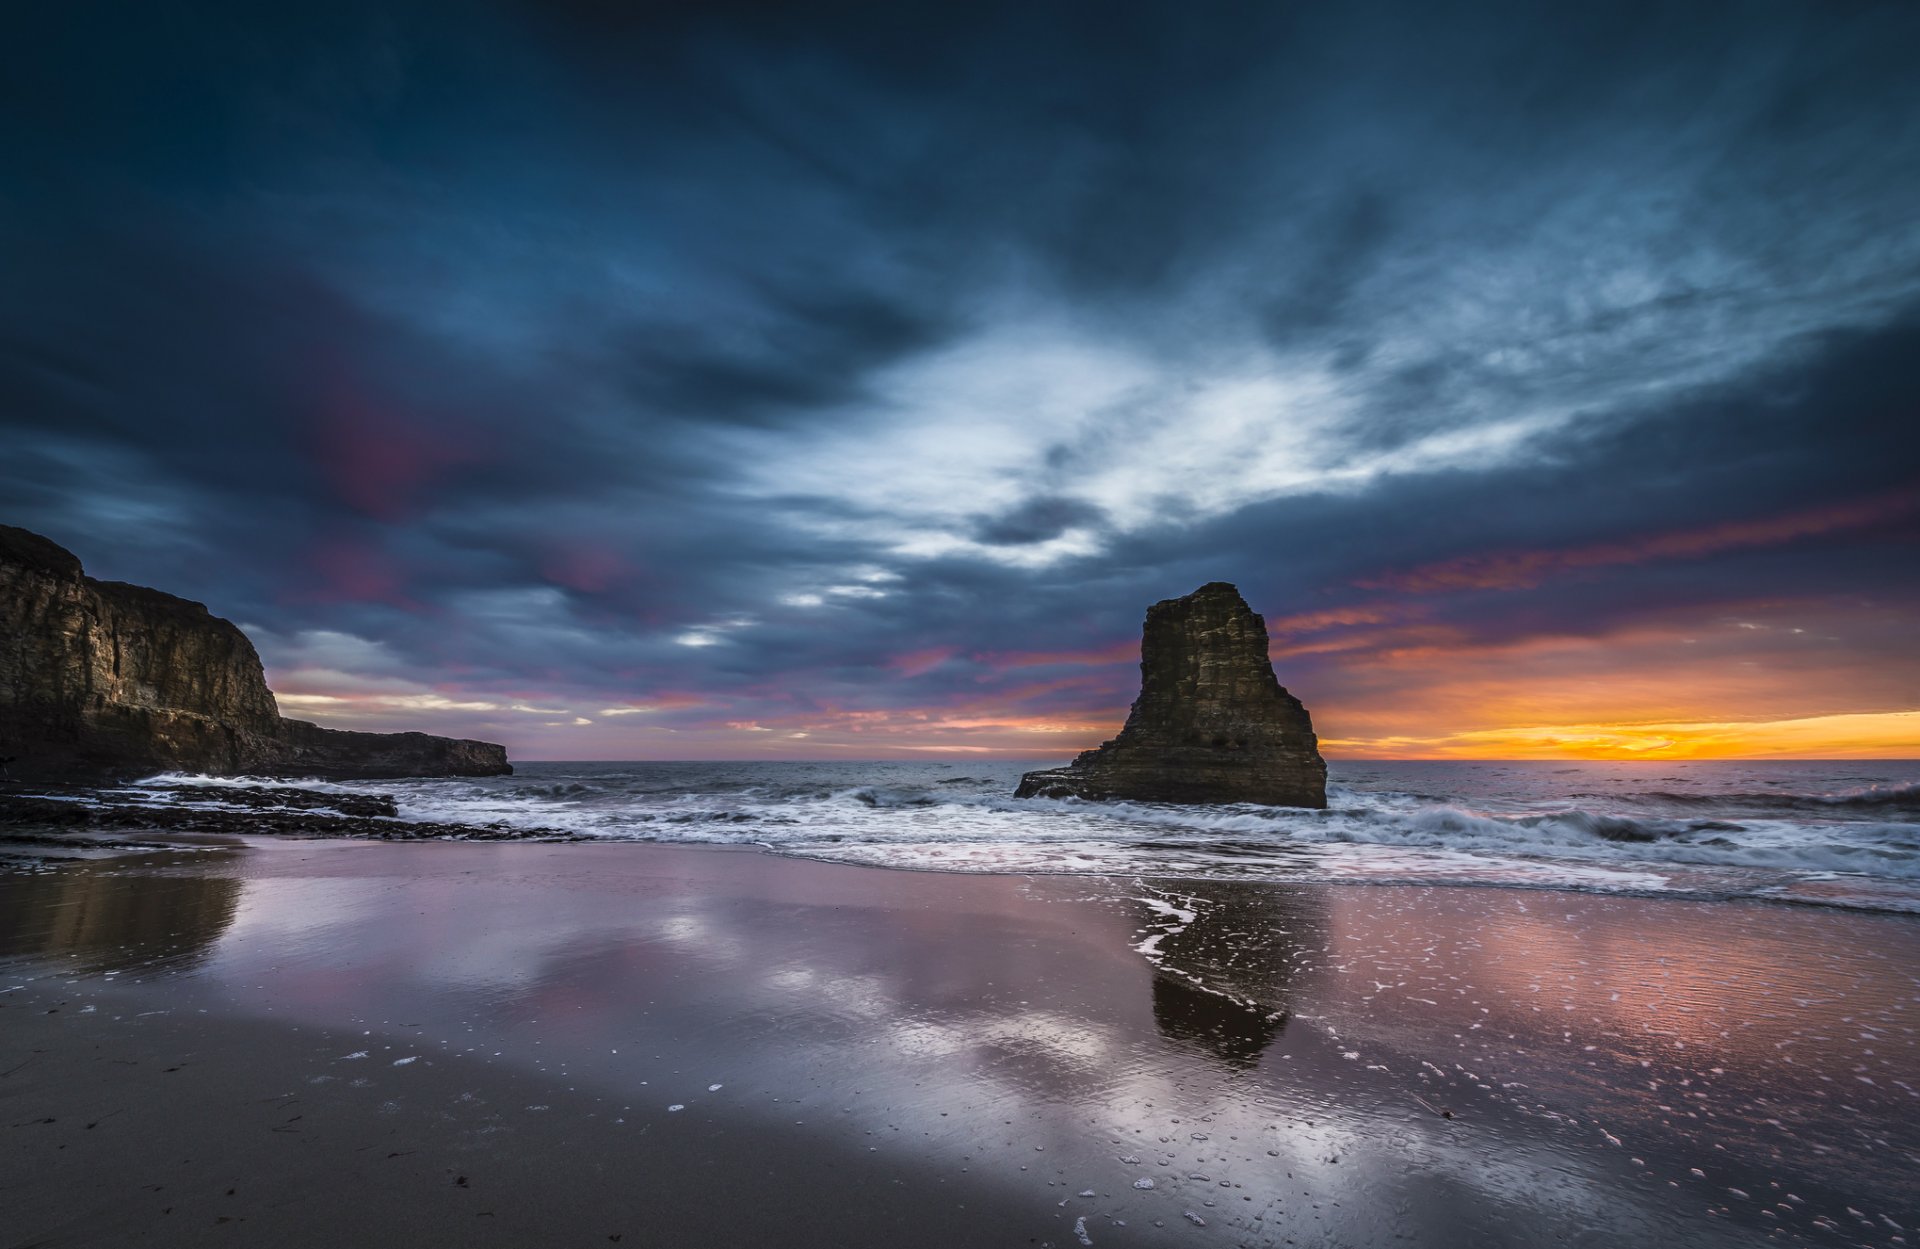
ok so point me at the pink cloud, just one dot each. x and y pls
(345, 571)
(1522, 569)
(381, 459)
(1126, 652)
(915, 663)
(587, 568)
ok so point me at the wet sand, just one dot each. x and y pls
(284, 1042)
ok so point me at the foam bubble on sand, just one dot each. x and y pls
(1177, 918)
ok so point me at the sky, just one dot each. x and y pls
(758, 380)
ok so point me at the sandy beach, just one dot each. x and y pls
(297, 1042)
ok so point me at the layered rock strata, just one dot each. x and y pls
(102, 680)
(1212, 723)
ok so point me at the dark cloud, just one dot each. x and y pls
(1038, 520)
(603, 349)
(805, 351)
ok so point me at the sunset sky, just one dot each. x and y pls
(723, 380)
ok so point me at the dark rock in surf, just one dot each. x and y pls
(102, 680)
(1212, 724)
(73, 817)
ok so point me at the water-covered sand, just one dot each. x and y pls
(296, 1042)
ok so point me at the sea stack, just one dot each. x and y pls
(100, 680)
(1212, 723)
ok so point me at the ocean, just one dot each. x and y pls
(1106, 1023)
(1834, 833)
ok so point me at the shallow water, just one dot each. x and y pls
(1307, 1063)
(1835, 833)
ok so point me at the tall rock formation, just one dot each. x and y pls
(102, 680)
(1212, 724)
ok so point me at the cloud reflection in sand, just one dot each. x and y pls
(1292, 1045)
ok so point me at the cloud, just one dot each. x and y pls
(1509, 570)
(1038, 519)
(520, 355)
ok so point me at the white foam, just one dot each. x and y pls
(1844, 845)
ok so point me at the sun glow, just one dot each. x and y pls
(1883, 735)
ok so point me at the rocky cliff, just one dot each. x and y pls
(1212, 724)
(100, 680)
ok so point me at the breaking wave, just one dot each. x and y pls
(1844, 834)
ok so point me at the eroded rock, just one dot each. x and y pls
(1212, 723)
(102, 680)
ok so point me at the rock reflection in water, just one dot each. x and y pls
(117, 915)
(1226, 978)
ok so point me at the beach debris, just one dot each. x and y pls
(1080, 1230)
(715, 1088)
(411, 1058)
(676, 1106)
(1145, 1183)
(1195, 1219)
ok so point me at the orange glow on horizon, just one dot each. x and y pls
(1867, 735)
(1817, 678)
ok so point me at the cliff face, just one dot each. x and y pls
(342, 754)
(1212, 724)
(100, 680)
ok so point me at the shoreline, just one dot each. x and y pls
(1808, 834)
(162, 839)
(952, 1022)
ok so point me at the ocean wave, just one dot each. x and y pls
(1805, 842)
(876, 796)
(1868, 798)
(1887, 849)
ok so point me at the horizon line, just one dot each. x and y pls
(961, 758)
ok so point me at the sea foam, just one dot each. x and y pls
(1843, 834)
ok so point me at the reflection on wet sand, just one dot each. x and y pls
(1225, 980)
(1234, 1033)
(1461, 1067)
(116, 915)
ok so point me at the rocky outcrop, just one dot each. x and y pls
(101, 680)
(114, 819)
(342, 754)
(1212, 724)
